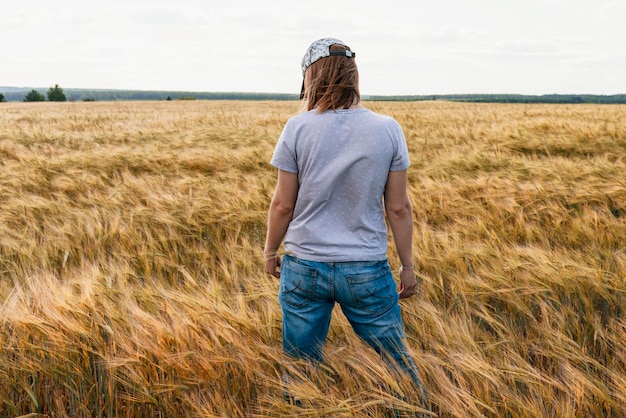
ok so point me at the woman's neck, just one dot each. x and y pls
(356, 105)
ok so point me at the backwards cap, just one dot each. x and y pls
(321, 49)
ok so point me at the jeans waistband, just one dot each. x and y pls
(337, 263)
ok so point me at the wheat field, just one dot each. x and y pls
(132, 285)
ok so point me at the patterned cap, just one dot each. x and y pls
(321, 49)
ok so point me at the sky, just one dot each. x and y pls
(403, 47)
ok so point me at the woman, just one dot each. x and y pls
(341, 168)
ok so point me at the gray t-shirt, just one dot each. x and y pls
(342, 159)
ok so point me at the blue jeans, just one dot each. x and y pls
(367, 294)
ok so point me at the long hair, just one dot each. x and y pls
(331, 83)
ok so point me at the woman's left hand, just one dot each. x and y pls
(408, 283)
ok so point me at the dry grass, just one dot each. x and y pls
(132, 286)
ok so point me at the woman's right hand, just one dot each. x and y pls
(272, 265)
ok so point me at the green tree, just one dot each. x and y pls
(2, 99)
(34, 96)
(55, 94)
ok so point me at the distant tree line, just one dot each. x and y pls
(130, 95)
(512, 98)
(56, 93)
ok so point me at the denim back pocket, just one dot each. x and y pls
(374, 291)
(297, 283)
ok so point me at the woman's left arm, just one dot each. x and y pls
(280, 214)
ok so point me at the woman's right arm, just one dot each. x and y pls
(279, 217)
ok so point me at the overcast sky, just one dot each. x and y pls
(403, 47)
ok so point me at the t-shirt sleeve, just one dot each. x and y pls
(400, 159)
(284, 157)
